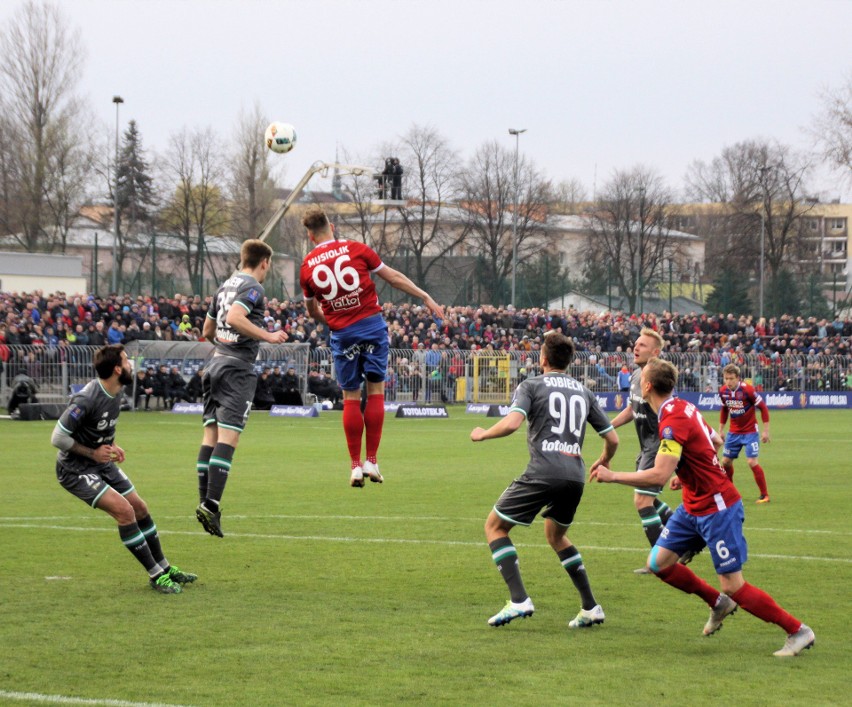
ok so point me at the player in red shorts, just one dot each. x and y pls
(338, 289)
(739, 401)
(712, 510)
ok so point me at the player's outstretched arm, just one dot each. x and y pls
(664, 467)
(503, 428)
(400, 282)
(238, 320)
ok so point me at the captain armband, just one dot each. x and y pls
(670, 448)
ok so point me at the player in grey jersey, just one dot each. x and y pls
(653, 512)
(234, 324)
(557, 408)
(86, 466)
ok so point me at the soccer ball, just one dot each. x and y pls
(280, 137)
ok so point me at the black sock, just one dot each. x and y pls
(506, 558)
(217, 474)
(663, 510)
(572, 561)
(651, 523)
(134, 541)
(152, 537)
(201, 465)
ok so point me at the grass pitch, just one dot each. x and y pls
(323, 594)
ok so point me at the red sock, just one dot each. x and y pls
(353, 427)
(374, 419)
(729, 470)
(760, 479)
(757, 602)
(683, 578)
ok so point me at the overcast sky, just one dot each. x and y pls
(599, 85)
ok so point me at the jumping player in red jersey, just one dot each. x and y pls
(338, 289)
(739, 401)
(712, 510)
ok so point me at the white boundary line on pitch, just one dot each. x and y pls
(395, 541)
(408, 519)
(65, 700)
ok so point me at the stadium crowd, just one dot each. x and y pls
(60, 321)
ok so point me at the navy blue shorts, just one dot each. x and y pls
(722, 531)
(361, 351)
(735, 442)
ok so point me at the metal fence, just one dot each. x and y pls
(424, 375)
(57, 371)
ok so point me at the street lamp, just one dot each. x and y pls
(763, 171)
(640, 300)
(517, 134)
(118, 100)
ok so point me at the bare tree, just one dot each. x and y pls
(361, 216)
(569, 197)
(832, 127)
(629, 235)
(488, 195)
(69, 180)
(197, 207)
(42, 62)
(250, 186)
(432, 182)
(757, 181)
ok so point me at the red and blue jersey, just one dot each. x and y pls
(739, 404)
(686, 435)
(337, 274)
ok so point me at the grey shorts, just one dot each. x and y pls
(91, 484)
(228, 388)
(527, 495)
(646, 461)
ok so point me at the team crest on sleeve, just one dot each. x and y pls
(75, 411)
(667, 433)
(253, 295)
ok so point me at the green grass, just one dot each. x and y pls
(323, 594)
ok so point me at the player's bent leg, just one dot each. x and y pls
(505, 557)
(209, 511)
(374, 418)
(353, 429)
(652, 524)
(572, 562)
(759, 479)
(117, 507)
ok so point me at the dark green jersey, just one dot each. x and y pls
(557, 408)
(240, 290)
(644, 418)
(90, 420)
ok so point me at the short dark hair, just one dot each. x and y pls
(558, 350)
(662, 375)
(315, 219)
(253, 252)
(106, 359)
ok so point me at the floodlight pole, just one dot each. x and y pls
(763, 171)
(118, 100)
(517, 134)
